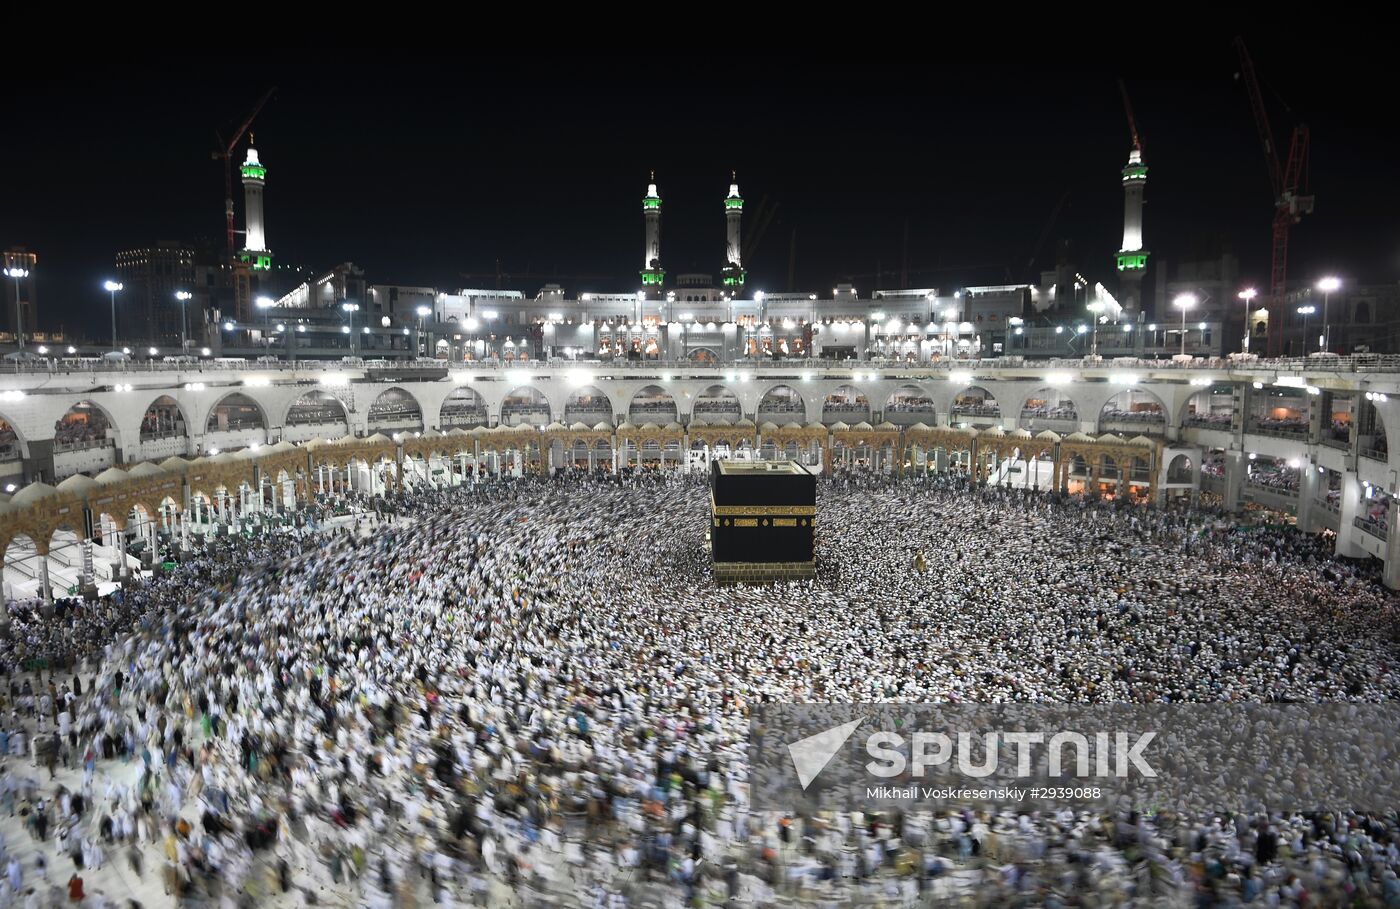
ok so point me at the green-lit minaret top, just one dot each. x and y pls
(252, 168)
(652, 200)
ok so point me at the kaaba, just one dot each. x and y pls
(763, 521)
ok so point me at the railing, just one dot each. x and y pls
(1300, 433)
(1221, 425)
(162, 434)
(1336, 443)
(82, 445)
(1375, 454)
(1374, 528)
(1338, 365)
(1283, 491)
(1328, 506)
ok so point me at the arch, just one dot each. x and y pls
(910, 399)
(1180, 469)
(782, 404)
(12, 443)
(846, 404)
(1135, 409)
(1048, 404)
(83, 425)
(589, 404)
(395, 408)
(1209, 408)
(464, 408)
(20, 567)
(974, 403)
(235, 412)
(316, 408)
(716, 403)
(652, 404)
(164, 419)
(525, 404)
(704, 355)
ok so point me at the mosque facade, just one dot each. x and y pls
(1306, 446)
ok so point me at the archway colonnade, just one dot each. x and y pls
(236, 491)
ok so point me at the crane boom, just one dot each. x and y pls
(1261, 116)
(1132, 123)
(1284, 180)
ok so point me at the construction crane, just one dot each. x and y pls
(224, 152)
(762, 220)
(1132, 123)
(1289, 204)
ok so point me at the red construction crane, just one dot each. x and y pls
(225, 152)
(1289, 205)
(1132, 124)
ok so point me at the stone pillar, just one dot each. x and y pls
(1390, 573)
(88, 575)
(45, 590)
(1307, 490)
(1350, 507)
(1235, 467)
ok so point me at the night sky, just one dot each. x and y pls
(420, 174)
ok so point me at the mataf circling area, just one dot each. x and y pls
(533, 687)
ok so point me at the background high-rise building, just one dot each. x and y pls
(147, 310)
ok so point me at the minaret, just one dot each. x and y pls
(255, 251)
(734, 275)
(1132, 258)
(653, 275)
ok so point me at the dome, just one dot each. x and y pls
(78, 485)
(32, 493)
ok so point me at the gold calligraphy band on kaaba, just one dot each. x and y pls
(783, 511)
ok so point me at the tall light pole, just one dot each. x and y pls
(1247, 295)
(112, 287)
(1306, 311)
(423, 313)
(184, 296)
(1095, 308)
(1184, 302)
(17, 274)
(265, 304)
(1327, 285)
(351, 309)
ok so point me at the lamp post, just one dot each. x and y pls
(17, 274)
(184, 296)
(1327, 285)
(1095, 308)
(1306, 311)
(423, 313)
(112, 287)
(1184, 302)
(265, 304)
(1247, 295)
(351, 309)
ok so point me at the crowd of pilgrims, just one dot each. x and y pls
(529, 691)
